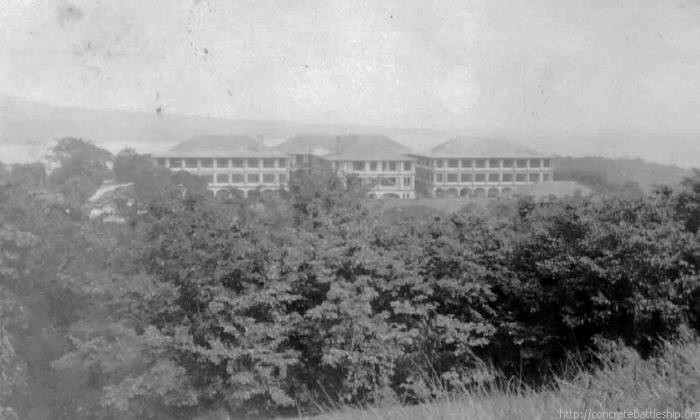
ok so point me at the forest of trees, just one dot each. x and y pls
(276, 305)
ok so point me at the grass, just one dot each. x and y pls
(624, 381)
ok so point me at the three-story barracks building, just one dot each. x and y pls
(237, 165)
(467, 167)
(462, 167)
(385, 166)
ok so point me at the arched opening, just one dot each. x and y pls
(466, 192)
(493, 192)
(479, 193)
(439, 193)
(222, 194)
(254, 194)
(236, 193)
(390, 196)
(506, 192)
(451, 193)
(269, 193)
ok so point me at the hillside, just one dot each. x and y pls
(28, 128)
(600, 173)
(28, 124)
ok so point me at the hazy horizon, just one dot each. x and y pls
(600, 78)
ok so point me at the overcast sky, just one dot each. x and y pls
(621, 76)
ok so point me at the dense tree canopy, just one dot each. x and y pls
(277, 304)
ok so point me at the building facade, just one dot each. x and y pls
(462, 167)
(386, 167)
(389, 178)
(231, 165)
(466, 167)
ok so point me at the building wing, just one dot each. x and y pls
(220, 147)
(482, 148)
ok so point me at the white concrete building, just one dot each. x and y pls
(385, 166)
(467, 167)
(237, 165)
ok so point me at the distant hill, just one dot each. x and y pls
(33, 125)
(599, 173)
(28, 128)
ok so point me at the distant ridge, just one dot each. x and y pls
(26, 122)
(595, 172)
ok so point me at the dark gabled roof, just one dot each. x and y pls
(347, 147)
(220, 146)
(107, 191)
(482, 148)
(308, 144)
(216, 143)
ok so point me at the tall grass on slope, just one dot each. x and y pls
(624, 381)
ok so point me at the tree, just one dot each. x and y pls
(82, 167)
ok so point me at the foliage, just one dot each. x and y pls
(606, 175)
(82, 167)
(276, 304)
(666, 383)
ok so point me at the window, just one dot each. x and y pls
(467, 177)
(494, 177)
(282, 178)
(407, 181)
(253, 163)
(521, 163)
(388, 182)
(481, 163)
(190, 163)
(269, 178)
(222, 178)
(438, 163)
(160, 162)
(176, 163)
(268, 163)
(452, 163)
(467, 163)
(283, 163)
(547, 163)
(520, 177)
(407, 166)
(222, 163)
(207, 163)
(237, 178)
(534, 177)
(237, 163)
(209, 179)
(438, 178)
(253, 178)
(392, 166)
(545, 177)
(507, 177)
(451, 177)
(494, 163)
(507, 163)
(534, 163)
(299, 159)
(480, 177)
(358, 166)
(373, 166)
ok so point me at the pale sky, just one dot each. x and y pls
(580, 75)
